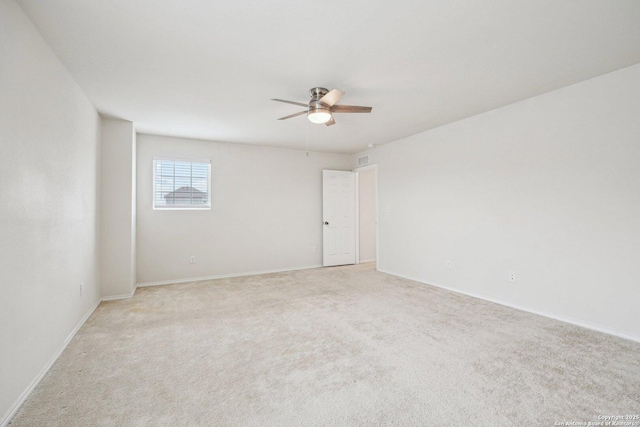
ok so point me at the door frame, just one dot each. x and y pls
(357, 171)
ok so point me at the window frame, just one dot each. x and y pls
(180, 207)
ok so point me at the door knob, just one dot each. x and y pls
(326, 223)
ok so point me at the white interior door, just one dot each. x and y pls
(339, 217)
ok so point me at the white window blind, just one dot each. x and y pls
(181, 184)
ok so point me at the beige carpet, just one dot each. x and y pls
(336, 346)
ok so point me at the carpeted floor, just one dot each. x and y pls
(335, 346)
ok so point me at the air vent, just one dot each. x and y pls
(364, 160)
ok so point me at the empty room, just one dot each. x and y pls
(337, 213)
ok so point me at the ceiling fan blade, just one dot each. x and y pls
(350, 109)
(332, 97)
(330, 122)
(291, 102)
(293, 115)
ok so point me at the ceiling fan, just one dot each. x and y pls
(322, 106)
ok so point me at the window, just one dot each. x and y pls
(181, 184)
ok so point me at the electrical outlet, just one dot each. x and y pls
(192, 260)
(512, 276)
(448, 264)
(81, 289)
(315, 250)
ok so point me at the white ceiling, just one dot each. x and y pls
(207, 69)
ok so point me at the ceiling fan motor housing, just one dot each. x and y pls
(317, 105)
(317, 92)
(318, 112)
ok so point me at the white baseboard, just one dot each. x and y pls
(560, 318)
(223, 276)
(25, 394)
(117, 297)
(362, 261)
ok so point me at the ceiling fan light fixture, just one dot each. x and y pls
(318, 112)
(319, 115)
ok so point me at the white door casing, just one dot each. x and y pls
(339, 217)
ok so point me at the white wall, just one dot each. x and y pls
(548, 188)
(367, 214)
(266, 211)
(49, 135)
(117, 208)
